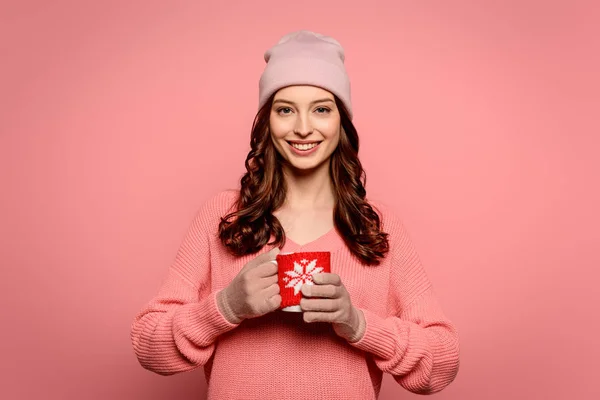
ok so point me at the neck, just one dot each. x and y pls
(309, 189)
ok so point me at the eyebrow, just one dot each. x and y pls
(312, 102)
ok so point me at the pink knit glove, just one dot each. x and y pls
(253, 292)
(329, 301)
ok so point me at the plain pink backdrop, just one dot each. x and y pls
(478, 123)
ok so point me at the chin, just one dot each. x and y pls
(307, 165)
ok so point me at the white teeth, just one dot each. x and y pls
(304, 146)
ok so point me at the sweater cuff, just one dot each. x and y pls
(382, 337)
(202, 322)
(360, 331)
(225, 309)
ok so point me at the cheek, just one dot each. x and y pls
(336, 141)
(333, 135)
(278, 130)
(330, 128)
(277, 134)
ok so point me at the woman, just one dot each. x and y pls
(303, 191)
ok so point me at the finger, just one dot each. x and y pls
(275, 302)
(312, 316)
(269, 280)
(325, 305)
(327, 291)
(327, 278)
(265, 269)
(270, 291)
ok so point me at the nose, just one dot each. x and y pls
(303, 126)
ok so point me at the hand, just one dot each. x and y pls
(254, 291)
(329, 301)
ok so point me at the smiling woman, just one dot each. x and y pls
(304, 121)
(284, 162)
(303, 192)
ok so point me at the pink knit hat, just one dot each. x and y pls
(305, 58)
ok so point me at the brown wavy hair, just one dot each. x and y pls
(263, 189)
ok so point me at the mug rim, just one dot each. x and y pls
(295, 252)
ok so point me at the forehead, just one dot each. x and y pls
(303, 93)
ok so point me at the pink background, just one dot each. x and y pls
(478, 123)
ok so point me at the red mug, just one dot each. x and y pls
(297, 269)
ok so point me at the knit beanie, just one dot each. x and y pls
(305, 58)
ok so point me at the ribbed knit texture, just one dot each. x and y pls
(279, 356)
(306, 58)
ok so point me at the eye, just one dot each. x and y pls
(284, 110)
(322, 110)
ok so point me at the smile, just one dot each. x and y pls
(304, 146)
(304, 149)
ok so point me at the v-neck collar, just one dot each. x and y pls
(329, 241)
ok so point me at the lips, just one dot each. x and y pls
(306, 152)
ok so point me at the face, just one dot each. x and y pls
(305, 126)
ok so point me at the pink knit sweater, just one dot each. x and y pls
(279, 356)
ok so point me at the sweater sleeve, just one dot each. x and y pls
(176, 331)
(416, 343)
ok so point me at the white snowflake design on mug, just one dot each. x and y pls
(301, 274)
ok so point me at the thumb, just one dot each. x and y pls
(263, 258)
(269, 255)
